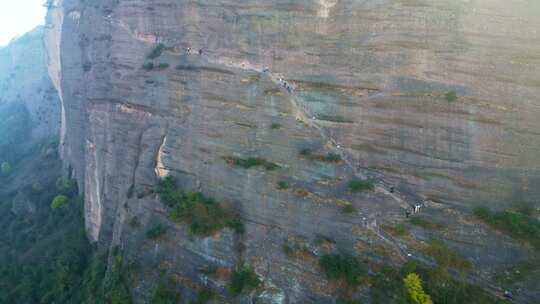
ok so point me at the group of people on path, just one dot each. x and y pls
(265, 70)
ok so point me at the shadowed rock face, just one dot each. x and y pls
(24, 81)
(368, 81)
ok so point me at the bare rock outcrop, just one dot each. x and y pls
(419, 96)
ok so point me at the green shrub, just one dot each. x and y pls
(396, 230)
(334, 118)
(204, 296)
(283, 185)
(413, 285)
(424, 223)
(156, 231)
(387, 286)
(451, 96)
(519, 224)
(443, 288)
(251, 162)
(244, 279)
(164, 294)
(5, 168)
(306, 152)
(134, 222)
(37, 187)
(59, 201)
(518, 272)
(204, 215)
(148, 66)
(343, 267)
(348, 209)
(275, 125)
(163, 66)
(445, 257)
(156, 51)
(329, 158)
(361, 185)
(65, 184)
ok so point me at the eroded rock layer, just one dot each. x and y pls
(151, 88)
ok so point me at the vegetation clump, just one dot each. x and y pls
(244, 279)
(156, 231)
(156, 51)
(396, 230)
(334, 118)
(361, 185)
(445, 257)
(164, 294)
(275, 125)
(59, 201)
(348, 209)
(148, 66)
(204, 296)
(388, 286)
(204, 215)
(519, 224)
(413, 286)
(328, 158)
(5, 168)
(343, 267)
(251, 162)
(424, 223)
(283, 185)
(163, 66)
(451, 96)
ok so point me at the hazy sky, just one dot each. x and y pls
(18, 17)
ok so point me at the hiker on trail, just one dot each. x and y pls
(200, 52)
(392, 189)
(508, 294)
(407, 213)
(188, 50)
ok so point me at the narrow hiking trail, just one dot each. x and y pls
(306, 116)
(303, 114)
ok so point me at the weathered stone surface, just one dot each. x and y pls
(368, 82)
(24, 79)
(22, 205)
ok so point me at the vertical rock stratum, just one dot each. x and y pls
(434, 101)
(24, 83)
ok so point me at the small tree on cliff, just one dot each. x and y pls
(5, 168)
(413, 286)
(58, 201)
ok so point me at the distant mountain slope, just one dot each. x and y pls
(24, 80)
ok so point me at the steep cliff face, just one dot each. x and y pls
(368, 84)
(24, 82)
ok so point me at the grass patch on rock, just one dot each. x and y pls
(328, 158)
(251, 162)
(242, 280)
(519, 224)
(204, 215)
(361, 186)
(156, 51)
(348, 209)
(283, 185)
(387, 286)
(445, 257)
(425, 223)
(156, 231)
(343, 268)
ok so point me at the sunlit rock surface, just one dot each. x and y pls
(24, 79)
(370, 81)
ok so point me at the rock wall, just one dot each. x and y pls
(24, 80)
(370, 81)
